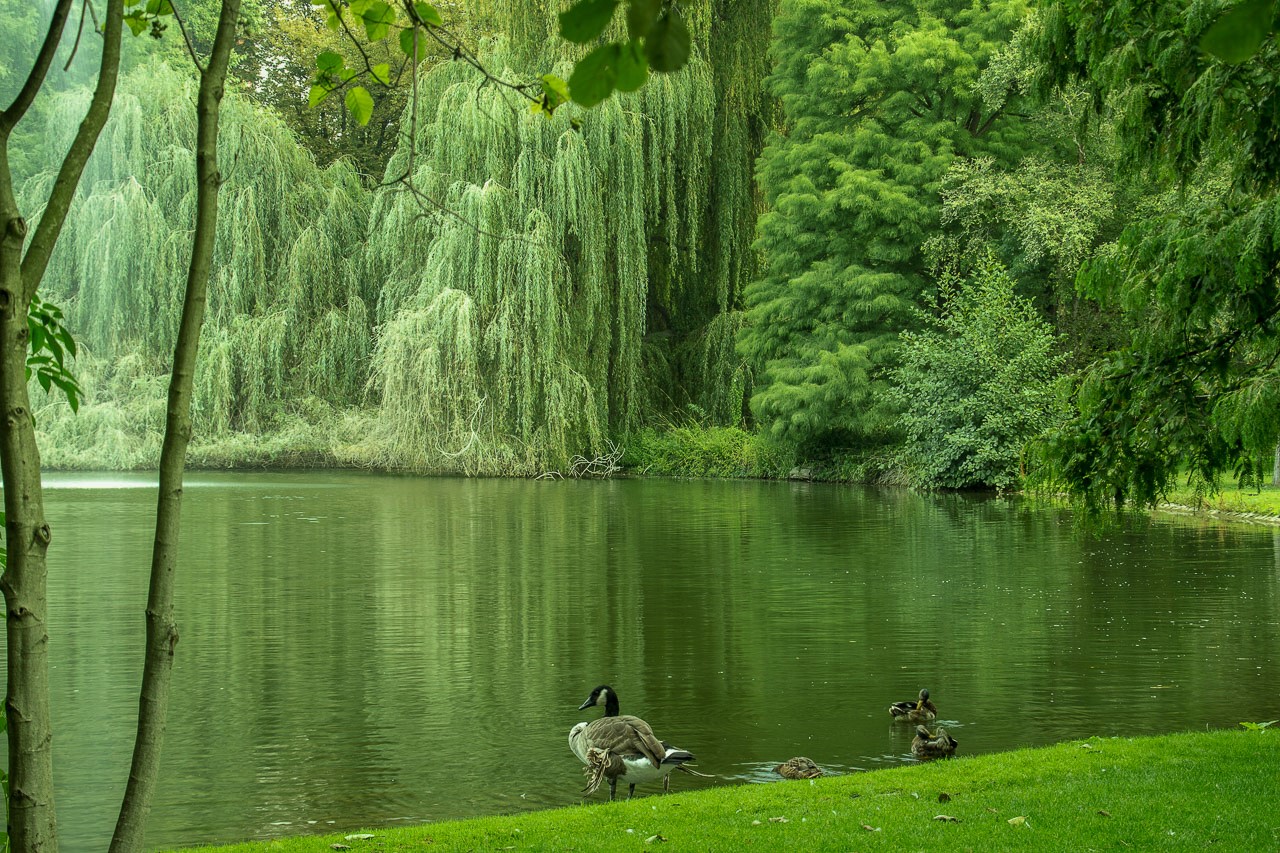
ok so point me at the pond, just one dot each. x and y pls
(369, 650)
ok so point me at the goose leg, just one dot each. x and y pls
(613, 789)
(631, 791)
(666, 784)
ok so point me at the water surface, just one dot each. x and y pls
(370, 650)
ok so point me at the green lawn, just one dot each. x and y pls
(1203, 790)
(1231, 499)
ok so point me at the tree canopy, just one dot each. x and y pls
(878, 100)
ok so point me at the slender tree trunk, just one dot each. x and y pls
(162, 630)
(31, 820)
(1275, 468)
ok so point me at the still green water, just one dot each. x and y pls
(364, 650)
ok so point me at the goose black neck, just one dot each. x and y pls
(611, 704)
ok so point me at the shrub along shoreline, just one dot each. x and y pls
(1175, 791)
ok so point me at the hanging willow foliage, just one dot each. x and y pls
(286, 310)
(549, 283)
(595, 259)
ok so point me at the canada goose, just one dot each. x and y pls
(919, 711)
(938, 745)
(798, 768)
(618, 746)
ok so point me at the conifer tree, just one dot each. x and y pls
(878, 99)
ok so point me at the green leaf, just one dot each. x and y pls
(1237, 35)
(382, 73)
(329, 61)
(595, 75)
(333, 21)
(641, 16)
(406, 42)
(428, 14)
(586, 20)
(378, 18)
(159, 8)
(633, 70)
(137, 23)
(37, 337)
(44, 379)
(555, 90)
(360, 103)
(667, 44)
(317, 94)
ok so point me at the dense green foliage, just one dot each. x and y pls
(976, 384)
(286, 311)
(878, 101)
(1195, 271)
(519, 289)
(524, 286)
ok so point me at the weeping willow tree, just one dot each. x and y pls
(531, 289)
(549, 283)
(287, 313)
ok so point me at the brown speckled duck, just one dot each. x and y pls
(939, 745)
(919, 711)
(798, 768)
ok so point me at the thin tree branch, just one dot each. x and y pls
(191, 48)
(79, 31)
(63, 192)
(35, 79)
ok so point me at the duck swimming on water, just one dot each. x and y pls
(919, 711)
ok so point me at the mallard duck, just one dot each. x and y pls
(919, 711)
(798, 768)
(938, 745)
(618, 746)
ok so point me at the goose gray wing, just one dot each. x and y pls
(626, 735)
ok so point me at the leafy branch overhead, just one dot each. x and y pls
(657, 40)
(51, 343)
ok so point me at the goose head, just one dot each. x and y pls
(602, 695)
(924, 698)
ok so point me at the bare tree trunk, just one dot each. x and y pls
(1275, 467)
(31, 823)
(162, 630)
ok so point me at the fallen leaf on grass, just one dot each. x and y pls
(778, 820)
(854, 795)
(755, 823)
(869, 828)
(1020, 820)
(944, 797)
(359, 836)
(1104, 812)
(946, 818)
(655, 839)
(993, 811)
(339, 846)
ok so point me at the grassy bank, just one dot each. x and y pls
(1232, 499)
(693, 450)
(1187, 791)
